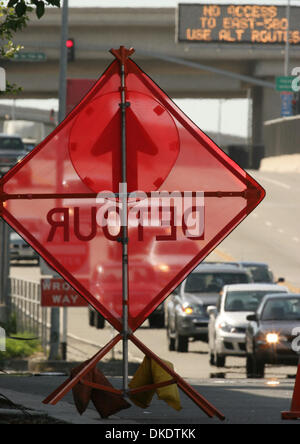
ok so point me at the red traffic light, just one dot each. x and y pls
(70, 43)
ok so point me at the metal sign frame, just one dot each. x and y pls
(249, 191)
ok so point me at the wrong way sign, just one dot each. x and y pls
(58, 293)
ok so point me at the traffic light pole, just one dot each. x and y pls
(55, 311)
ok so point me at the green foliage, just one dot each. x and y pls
(13, 18)
(11, 325)
(20, 349)
(21, 7)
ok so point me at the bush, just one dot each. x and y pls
(20, 349)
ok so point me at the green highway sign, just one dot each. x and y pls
(30, 57)
(284, 83)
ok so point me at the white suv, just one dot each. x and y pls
(228, 320)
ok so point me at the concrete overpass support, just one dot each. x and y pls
(265, 106)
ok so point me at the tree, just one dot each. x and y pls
(13, 18)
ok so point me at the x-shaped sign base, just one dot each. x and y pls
(68, 385)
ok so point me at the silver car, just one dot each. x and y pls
(186, 309)
(228, 320)
(20, 250)
(12, 150)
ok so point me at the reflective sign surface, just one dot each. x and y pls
(191, 196)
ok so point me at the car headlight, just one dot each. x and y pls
(227, 327)
(187, 309)
(272, 338)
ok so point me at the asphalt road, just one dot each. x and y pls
(272, 232)
(241, 402)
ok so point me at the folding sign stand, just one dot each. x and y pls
(122, 56)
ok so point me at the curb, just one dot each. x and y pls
(281, 164)
(109, 368)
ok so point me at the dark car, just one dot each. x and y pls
(186, 309)
(272, 332)
(260, 272)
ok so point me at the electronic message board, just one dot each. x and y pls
(252, 24)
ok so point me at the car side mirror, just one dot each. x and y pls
(280, 280)
(252, 317)
(212, 310)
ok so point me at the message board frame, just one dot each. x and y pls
(236, 24)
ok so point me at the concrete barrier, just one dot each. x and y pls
(281, 164)
(282, 136)
(282, 145)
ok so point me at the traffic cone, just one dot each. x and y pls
(294, 413)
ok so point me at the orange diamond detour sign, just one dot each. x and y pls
(124, 199)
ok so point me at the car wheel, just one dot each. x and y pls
(258, 368)
(91, 318)
(157, 322)
(249, 367)
(220, 360)
(100, 322)
(182, 343)
(212, 358)
(171, 341)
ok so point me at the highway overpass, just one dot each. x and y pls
(152, 33)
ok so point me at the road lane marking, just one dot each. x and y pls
(278, 183)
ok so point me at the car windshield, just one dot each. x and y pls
(260, 273)
(213, 282)
(11, 143)
(244, 300)
(287, 309)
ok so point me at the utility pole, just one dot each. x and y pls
(63, 62)
(55, 312)
(287, 43)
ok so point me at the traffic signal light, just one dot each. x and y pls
(70, 44)
(296, 104)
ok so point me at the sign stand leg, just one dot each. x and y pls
(122, 55)
(65, 334)
(68, 385)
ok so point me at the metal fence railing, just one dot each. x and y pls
(31, 317)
